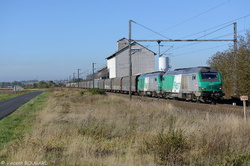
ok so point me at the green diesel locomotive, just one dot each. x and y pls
(202, 84)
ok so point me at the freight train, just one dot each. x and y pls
(201, 84)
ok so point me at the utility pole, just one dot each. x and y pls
(69, 81)
(130, 60)
(235, 58)
(159, 45)
(93, 77)
(78, 77)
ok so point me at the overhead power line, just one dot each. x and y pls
(202, 37)
(150, 30)
(229, 22)
(198, 42)
(196, 16)
(229, 34)
(214, 31)
(201, 50)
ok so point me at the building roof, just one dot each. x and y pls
(103, 68)
(122, 39)
(113, 55)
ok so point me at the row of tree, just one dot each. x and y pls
(11, 84)
(32, 84)
(234, 67)
(43, 84)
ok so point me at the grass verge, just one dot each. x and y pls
(15, 126)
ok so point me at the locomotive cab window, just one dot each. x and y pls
(209, 76)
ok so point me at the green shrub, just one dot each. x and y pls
(97, 91)
(168, 148)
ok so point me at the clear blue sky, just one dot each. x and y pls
(51, 39)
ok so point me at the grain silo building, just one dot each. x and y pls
(142, 59)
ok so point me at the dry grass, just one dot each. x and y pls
(77, 128)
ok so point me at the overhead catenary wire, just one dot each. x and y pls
(229, 22)
(196, 33)
(182, 54)
(151, 30)
(243, 17)
(200, 50)
(229, 34)
(214, 31)
(198, 41)
(195, 16)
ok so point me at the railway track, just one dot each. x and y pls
(193, 106)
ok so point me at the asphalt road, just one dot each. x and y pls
(11, 105)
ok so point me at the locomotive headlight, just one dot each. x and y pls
(202, 89)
